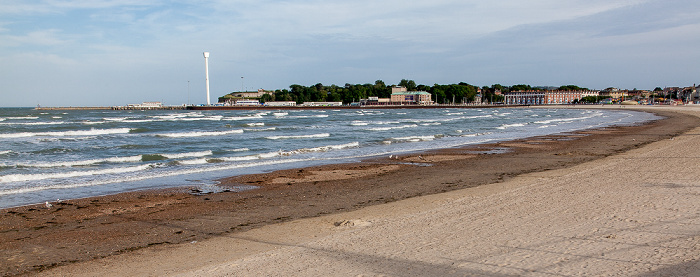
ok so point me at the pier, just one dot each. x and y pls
(117, 108)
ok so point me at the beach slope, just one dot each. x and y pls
(635, 213)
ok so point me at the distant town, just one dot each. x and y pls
(407, 93)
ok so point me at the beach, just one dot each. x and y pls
(609, 201)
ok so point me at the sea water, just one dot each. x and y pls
(48, 155)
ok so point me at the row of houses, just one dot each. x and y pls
(557, 97)
(548, 97)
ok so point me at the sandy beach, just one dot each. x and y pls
(621, 201)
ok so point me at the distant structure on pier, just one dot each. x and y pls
(206, 73)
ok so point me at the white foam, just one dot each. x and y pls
(505, 126)
(5, 152)
(85, 162)
(21, 117)
(36, 177)
(194, 161)
(359, 123)
(188, 155)
(391, 128)
(33, 123)
(242, 158)
(93, 122)
(199, 134)
(563, 120)
(321, 148)
(255, 124)
(91, 132)
(117, 119)
(238, 150)
(308, 116)
(415, 138)
(260, 129)
(324, 135)
(236, 118)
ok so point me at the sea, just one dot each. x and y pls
(47, 155)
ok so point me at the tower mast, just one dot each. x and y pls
(206, 73)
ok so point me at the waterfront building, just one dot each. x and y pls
(322, 104)
(281, 103)
(400, 96)
(247, 102)
(548, 97)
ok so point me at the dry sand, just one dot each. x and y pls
(632, 214)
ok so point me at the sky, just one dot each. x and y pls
(118, 52)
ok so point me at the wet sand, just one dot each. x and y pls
(351, 214)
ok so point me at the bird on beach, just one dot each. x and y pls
(48, 205)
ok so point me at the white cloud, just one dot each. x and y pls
(153, 47)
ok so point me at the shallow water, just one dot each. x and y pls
(46, 155)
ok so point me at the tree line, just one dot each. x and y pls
(442, 94)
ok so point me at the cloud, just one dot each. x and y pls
(147, 49)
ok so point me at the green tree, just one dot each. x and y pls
(410, 85)
(267, 98)
(572, 87)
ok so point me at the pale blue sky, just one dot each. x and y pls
(116, 52)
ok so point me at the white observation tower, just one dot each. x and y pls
(206, 73)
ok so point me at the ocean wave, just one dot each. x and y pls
(144, 177)
(307, 116)
(72, 174)
(255, 124)
(93, 122)
(209, 118)
(416, 138)
(391, 128)
(324, 135)
(476, 134)
(562, 120)
(321, 148)
(84, 162)
(194, 161)
(21, 117)
(281, 153)
(34, 123)
(261, 129)
(137, 158)
(5, 152)
(243, 158)
(117, 119)
(359, 123)
(160, 157)
(188, 155)
(236, 118)
(199, 134)
(91, 132)
(505, 126)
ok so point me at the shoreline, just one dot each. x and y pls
(37, 238)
